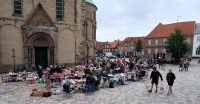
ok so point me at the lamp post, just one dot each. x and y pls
(13, 55)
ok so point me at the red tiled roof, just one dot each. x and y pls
(164, 30)
(134, 39)
(113, 44)
(99, 45)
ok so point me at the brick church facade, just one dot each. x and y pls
(46, 32)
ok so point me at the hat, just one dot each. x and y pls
(154, 67)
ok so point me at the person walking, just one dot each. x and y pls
(170, 80)
(154, 79)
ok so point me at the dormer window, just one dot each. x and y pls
(132, 43)
(126, 44)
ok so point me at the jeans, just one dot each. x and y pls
(89, 87)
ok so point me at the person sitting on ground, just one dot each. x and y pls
(90, 82)
(68, 85)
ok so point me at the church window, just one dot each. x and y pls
(17, 7)
(59, 9)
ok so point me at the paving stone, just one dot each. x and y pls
(186, 91)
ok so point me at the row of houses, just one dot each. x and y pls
(153, 43)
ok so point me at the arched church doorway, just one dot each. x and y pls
(41, 54)
(41, 50)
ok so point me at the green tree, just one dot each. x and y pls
(176, 44)
(138, 47)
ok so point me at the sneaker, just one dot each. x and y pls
(150, 91)
(156, 91)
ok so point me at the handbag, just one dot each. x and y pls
(161, 87)
(147, 85)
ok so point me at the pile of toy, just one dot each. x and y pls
(11, 77)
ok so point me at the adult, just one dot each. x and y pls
(170, 80)
(155, 78)
(34, 68)
(39, 71)
(68, 85)
(90, 82)
(131, 66)
(47, 79)
(186, 65)
(181, 65)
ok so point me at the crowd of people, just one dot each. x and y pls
(100, 72)
(184, 64)
(97, 71)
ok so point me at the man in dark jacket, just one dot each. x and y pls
(131, 66)
(155, 78)
(170, 80)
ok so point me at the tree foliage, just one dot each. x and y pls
(138, 47)
(176, 44)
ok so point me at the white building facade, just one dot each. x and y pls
(196, 41)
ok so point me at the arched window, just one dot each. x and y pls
(17, 7)
(59, 9)
(198, 51)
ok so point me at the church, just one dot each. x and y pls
(46, 32)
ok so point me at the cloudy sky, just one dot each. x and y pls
(117, 19)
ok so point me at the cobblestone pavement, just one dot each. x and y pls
(186, 91)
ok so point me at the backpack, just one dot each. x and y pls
(66, 88)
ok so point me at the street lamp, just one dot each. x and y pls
(13, 55)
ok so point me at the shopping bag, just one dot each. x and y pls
(161, 87)
(148, 85)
